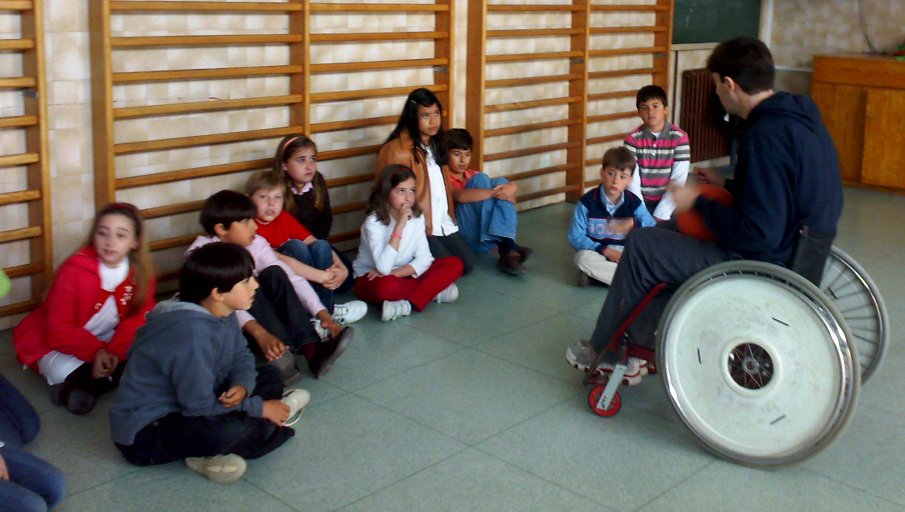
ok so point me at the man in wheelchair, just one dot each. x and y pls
(786, 188)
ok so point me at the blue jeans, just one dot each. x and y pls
(33, 484)
(484, 223)
(318, 255)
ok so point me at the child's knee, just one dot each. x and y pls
(479, 180)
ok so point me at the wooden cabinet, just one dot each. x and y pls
(862, 100)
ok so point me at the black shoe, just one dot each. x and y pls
(329, 351)
(511, 263)
(524, 252)
(76, 401)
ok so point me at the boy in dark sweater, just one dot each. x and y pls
(190, 390)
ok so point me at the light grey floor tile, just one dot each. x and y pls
(469, 395)
(541, 346)
(344, 450)
(726, 486)
(555, 285)
(473, 480)
(381, 350)
(868, 455)
(884, 389)
(171, 487)
(622, 462)
(474, 320)
(81, 447)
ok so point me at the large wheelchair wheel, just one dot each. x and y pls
(858, 299)
(757, 363)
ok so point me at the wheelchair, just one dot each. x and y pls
(762, 366)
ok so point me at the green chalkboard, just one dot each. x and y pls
(714, 21)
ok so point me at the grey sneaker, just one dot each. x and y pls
(449, 294)
(581, 356)
(296, 399)
(393, 309)
(222, 469)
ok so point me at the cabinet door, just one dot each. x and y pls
(884, 140)
(842, 108)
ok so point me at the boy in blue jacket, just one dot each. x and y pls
(190, 390)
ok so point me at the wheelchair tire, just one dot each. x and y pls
(594, 396)
(856, 296)
(758, 363)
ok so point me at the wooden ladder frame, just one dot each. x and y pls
(300, 69)
(33, 122)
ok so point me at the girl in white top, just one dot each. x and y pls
(394, 263)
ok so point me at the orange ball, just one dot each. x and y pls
(691, 222)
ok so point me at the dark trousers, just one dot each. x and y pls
(33, 485)
(652, 255)
(81, 379)
(176, 437)
(452, 245)
(350, 279)
(278, 309)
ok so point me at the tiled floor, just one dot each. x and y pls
(470, 406)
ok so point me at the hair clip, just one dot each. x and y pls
(290, 141)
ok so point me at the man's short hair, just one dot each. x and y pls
(226, 207)
(217, 265)
(747, 60)
(651, 92)
(619, 157)
(459, 138)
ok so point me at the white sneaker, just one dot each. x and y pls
(296, 399)
(222, 469)
(393, 309)
(449, 294)
(350, 312)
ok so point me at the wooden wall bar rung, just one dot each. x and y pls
(550, 192)
(602, 139)
(630, 8)
(19, 196)
(529, 80)
(533, 8)
(376, 36)
(152, 41)
(205, 106)
(203, 74)
(350, 180)
(16, 44)
(530, 151)
(173, 242)
(523, 128)
(524, 57)
(17, 308)
(18, 121)
(350, 207)
(627, 30)
(373, 7)
(612, 117)
(20, 159)
(360, 94)
(202, 140)
(21, 82)
(522, 105)
(628, 51)
(541, 32)
(624, 72)
(333, 126)
(612, 95)
(336, 154)
(15, 5)
(379, 64)
(194, 173)
(524, 175)
(212, 7)
(24, 270)
(13, 235)
(172, 209)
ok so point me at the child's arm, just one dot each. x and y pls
(311, 274)
(578, 233)
(265, 256)
(64, 332)
(667, 204)
(378, 242)
(472, 195)
(643, 217)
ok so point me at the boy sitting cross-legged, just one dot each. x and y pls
(287, 316)
(190, 390)
(604, 216)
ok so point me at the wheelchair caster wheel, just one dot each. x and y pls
(594, 396)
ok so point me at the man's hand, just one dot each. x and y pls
(621, 226)
(710, 176)
(4, 471)
(612, 254)
(233, 396)
(684, 197)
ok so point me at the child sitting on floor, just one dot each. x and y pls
(191, 390)
(308, 256)
(604, 216)
(287, 310)
(394, 262)
(485, 206)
